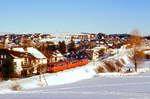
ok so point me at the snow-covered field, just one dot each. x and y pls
(83, 83)
(99, 86)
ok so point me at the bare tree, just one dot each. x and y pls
(136, 44)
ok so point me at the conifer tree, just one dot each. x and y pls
(8, 68)
(71, 45)
(62, 47)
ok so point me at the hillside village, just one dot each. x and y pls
(24, 55)
(74, 49)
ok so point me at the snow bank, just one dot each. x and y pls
(63, 77)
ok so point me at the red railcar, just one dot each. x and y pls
(59, 66)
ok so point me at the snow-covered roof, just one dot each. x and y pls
(98, 48)
(147, 52)
(36, 53)
(62, 34)
(56, 40)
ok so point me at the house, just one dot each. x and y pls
(57, 56)
(20, 60)
(40, 59)
(94, 53)
(24, 62)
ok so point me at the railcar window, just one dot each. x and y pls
(74, 62)
(61, 64)
(51, 66)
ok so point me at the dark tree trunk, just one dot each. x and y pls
(135, 64)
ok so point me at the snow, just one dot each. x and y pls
(35, 52)
(84, 83)
(147, 52)
(100, 86)
(57, 39)
(31, 50)
(62, 36)
(67, 76)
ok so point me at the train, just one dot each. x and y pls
(63, 65)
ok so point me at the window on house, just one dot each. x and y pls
(2, 56)
(22, 63)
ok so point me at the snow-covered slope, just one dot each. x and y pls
(100, 86)
(63, 77)
(88, 84)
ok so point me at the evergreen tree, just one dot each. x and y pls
(62, 47)
(71, 45)
(52, 48)
(8, 68)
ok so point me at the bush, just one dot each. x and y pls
(16, 87)
(100, 69)
(101, 52)
(122, 61)
(110, 66)
(119, 63)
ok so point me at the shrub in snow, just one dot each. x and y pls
(119, 63)
(110, 66)
(100, 69)
(122, 61)
(16, 87)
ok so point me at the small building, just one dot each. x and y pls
(57, 56)
(40, 59)
(94, 53)
(22, 61)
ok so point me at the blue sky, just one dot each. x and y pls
(109, 16)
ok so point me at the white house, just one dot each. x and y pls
(22, 61)
(94, 52)
(40, 58)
